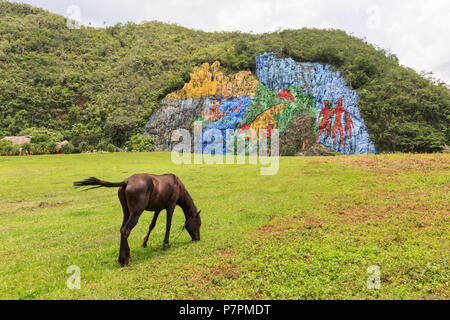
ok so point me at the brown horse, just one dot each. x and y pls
(152, 193)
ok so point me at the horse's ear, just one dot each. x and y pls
(198, 213)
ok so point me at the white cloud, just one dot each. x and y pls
(415, 30)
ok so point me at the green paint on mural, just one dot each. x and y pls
(303, 104)
(263, 100)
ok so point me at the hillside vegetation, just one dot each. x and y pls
(100, 85)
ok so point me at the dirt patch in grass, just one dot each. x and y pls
(306, 222)
(319, 161)
(17, 201)
(273, 229)
(23, 207)
(352, 216)
(223, 268)
(49, 195)
(45, 205)
(405, 163)
(277, 227)
(312, 223)
(397, 204)
(226, 253)
(258, 295)
(424, 213)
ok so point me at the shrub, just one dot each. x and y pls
(85, 147)
(9, 149)
(42, 134)
(5, 146)
(102, 146)
(140, 142)
(111, 148)
(26, 148)
(52, 147)
(67, 148)
(41, 138)
(33, 149)
(39, 148)
(6, 150)
(76, 150)
(15, 150)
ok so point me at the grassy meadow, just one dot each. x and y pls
(309, 232)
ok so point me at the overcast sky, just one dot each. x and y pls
(415, 30)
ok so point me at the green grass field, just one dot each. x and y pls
(309, 232)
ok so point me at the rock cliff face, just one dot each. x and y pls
(172, 115)
(209, 81)
(298, 136)
(285, 97)
(322, 85)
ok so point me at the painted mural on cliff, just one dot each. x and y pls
(281, 91)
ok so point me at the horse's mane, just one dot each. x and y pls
(187, 203)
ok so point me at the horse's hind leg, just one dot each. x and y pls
(152, 225)
(124, 254)
(135, 199)
(123, 202)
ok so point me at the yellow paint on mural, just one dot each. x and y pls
(209, 81)
(266, 118)
(203, 83)
(241, 84)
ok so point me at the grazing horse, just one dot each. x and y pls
(152, 193)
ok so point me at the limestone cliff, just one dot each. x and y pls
(173, 115)
(208, 81)
(322, 85)
(287, 95)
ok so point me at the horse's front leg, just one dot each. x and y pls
(170, 211)
(152, 225)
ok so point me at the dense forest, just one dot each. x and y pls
(100, 85)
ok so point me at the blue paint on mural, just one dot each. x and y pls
(221, 114)
(229, 121)
(322, 84)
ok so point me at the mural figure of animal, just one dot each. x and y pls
(155, 193)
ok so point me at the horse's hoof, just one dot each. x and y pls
(144, 245)
(166, 245)
(125, 263)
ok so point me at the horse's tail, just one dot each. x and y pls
(99, 183)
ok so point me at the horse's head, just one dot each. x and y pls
(193, 226)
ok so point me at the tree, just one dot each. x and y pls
(120, 125)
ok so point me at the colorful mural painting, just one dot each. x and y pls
(282, 90)
(321, 84)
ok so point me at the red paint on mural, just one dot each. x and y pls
(238, 107)
(245, 127)
(338, 111)
(269, 132)
(348, 126)
(286, 95)
(325, 124)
